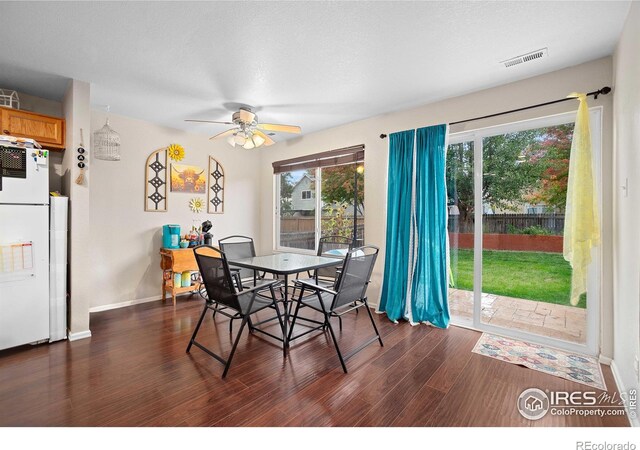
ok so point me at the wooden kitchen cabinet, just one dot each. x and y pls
(48, 131)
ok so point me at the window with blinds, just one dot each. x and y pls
(320, 195)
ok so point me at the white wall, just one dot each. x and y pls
(626, 118)
(551, 86)
(77, 110)
(40, 105)
(124, 239)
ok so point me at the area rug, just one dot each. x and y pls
(579, 368)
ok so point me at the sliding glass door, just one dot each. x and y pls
(461, 201)
(507, 195)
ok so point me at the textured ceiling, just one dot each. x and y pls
(314, 64)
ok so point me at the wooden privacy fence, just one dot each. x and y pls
(295, 234)
(302, 239)
(511, 223)
(308, 223)
(297, 224)
(511, 242)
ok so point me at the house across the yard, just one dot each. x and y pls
(303, 195)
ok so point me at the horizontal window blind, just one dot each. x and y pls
(347, 155)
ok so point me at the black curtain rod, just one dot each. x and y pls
(604, 91)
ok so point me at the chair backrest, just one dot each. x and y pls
(327, 246)
(239, 247)
(352, 283)
(216, 276)
(327, 243)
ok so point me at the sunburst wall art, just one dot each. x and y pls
(196, 204)
(176, 152)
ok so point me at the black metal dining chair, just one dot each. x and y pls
(326, 276)
(347, 294)
(327, 246)
(223, 295)
(240, 247)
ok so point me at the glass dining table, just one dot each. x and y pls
(284, 266)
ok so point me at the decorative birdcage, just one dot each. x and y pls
(106, 143)
(9, 98)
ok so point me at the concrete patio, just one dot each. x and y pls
(556, 321)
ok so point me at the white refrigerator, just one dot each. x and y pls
(24, 246)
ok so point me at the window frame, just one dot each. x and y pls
(318, 216)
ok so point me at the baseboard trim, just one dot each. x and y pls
(605, 360)
(131, 303)
(634, 422)
(79, 335)
(124, 304)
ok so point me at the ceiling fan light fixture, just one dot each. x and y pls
(247, 131)
(249, 144)
(258, 140)
(239, 139)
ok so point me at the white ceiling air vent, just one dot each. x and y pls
(531, 56)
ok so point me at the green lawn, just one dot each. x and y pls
(544, 277)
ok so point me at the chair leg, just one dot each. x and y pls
(340, 322)
(335, 342)
(295, 314)
(213, 316)
(195, 332)
(290, 306)
(284, 340)
(366, 305)
(235, 344)
(293, 321)
(275, 306)
(230, 325)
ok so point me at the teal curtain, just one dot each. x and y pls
(429, 280)
(399, 193)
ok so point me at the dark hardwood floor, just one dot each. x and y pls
(134, 372)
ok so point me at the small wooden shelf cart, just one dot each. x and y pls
(173, 261)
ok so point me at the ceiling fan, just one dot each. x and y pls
(248, 131)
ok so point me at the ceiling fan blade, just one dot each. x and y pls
(246, 115)
(278, 127)
(208, 121)
(225, 133)
(267, 139)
